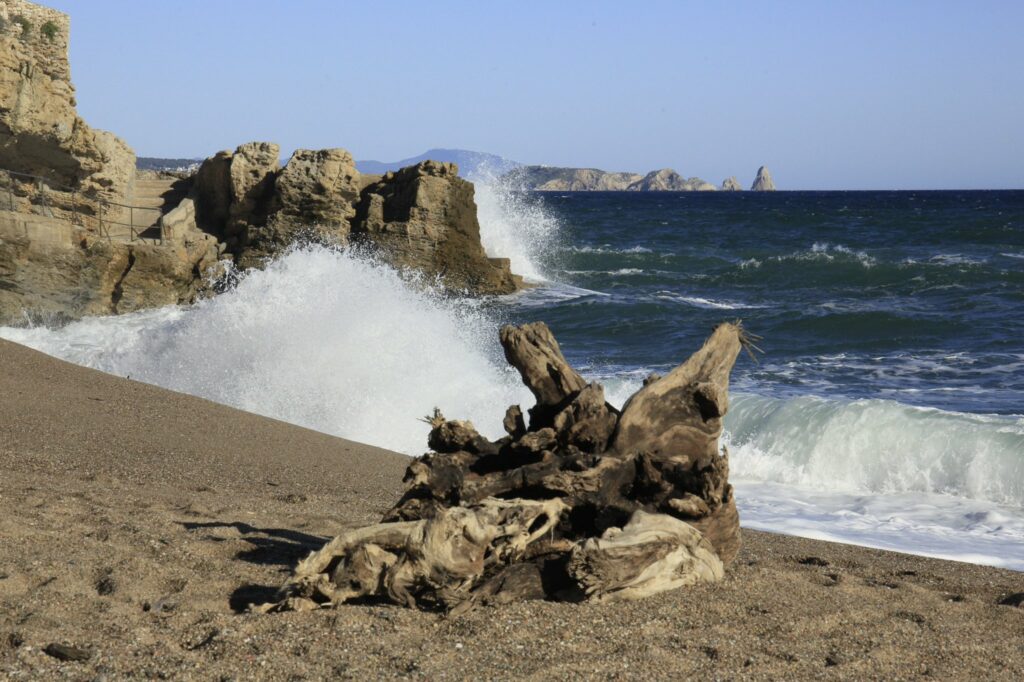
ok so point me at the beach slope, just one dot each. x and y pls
(137, 523)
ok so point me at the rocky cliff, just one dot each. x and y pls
(421, 218)
(731, 184)
(763, 182)
(57, 258)
(53, 270)
(40, 131)
(68, 248)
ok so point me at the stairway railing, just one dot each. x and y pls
(84, 207)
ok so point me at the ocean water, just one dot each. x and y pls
(886, 410)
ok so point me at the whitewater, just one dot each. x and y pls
(337, 342)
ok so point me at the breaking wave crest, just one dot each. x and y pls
(516, 226)
(342, 344)
(876, 446)
(323, 339)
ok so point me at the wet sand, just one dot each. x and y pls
(136, 524)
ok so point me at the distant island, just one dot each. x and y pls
(556, 179)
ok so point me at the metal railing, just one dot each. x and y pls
(81, 208)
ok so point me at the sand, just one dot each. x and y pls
(137, 523)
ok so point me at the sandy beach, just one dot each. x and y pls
(136, 524)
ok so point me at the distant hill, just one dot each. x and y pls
(471, 164)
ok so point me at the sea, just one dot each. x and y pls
(886, 408)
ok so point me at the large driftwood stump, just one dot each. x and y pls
(586, 502)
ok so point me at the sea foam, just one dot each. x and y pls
(321, 338)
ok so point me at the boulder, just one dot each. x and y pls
(731, 184)
(763, 182)
(423, 218)
(583, 504)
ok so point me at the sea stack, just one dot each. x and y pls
(763, 181)
(731, 184)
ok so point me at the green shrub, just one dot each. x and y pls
(50, 30)
(26, 25)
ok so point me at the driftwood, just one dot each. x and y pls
(583, 503)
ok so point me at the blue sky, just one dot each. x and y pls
(828, 94)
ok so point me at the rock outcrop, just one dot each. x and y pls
(58, 258)
(71, 244)
(585, 503)
(763, 182)
(422, 218)
(731, 184)
(553, 179)
(51, 269)
(667, 180)
(40, 131)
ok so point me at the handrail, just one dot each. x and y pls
(77, 196)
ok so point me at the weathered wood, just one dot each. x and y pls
(581, 503)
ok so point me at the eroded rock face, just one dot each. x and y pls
(763, 182)
(424, 218)
(40, 130)
(731, 184)
(51, 269)
(421, 218)
(584, 503)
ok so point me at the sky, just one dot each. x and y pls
(827, 94)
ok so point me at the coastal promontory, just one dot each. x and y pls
(557, 179)
(83, 232)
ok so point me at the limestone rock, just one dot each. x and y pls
(554, 179)
(51, 269)
(424, 218)
(583, 504)
(212, 193)
(763, 182)
(40, 130)
(254, 166)
(421, 218)
(731, 184)
(313, 197)
(667, 180)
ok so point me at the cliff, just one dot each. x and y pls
(67, 247)
(40, 130)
